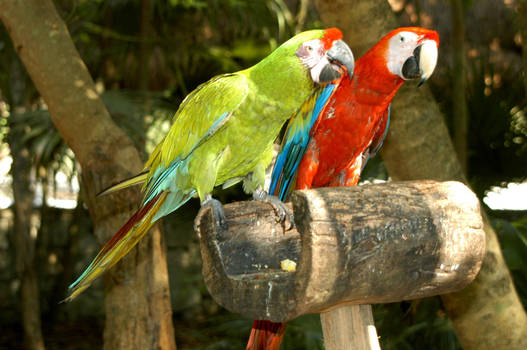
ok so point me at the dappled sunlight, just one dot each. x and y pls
(495, 45)
(62, 192)
(34, 225)
(52, 259)
(426, 20)
(460, 194)
(412, 13)
(6, 191)
(397, 5)
(91, 94)
(513, 196)
(519, 121)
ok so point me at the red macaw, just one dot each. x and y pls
(331, 146)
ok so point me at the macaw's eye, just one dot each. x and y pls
(402, 39)
(309, 48)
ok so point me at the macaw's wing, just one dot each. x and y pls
(206, 110)
(378, 138)
(296, 140)
(203, 112)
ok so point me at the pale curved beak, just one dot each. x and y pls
(422, 63)
(337, 59)
(427, 59)
(342, 55)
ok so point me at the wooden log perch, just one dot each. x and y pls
(356, 245)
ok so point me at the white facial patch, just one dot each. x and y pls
(311, 52)
(400, 48)
(317, 69)
(312, 55)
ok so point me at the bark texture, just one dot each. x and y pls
(25, 247)
(356, 245)
(24, 244)
(138, 311)
(487, 314)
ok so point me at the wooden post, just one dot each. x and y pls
(355, 245)
(349, 327)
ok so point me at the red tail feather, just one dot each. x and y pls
(138, 215)
(266, 335)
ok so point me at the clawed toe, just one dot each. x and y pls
(279, 207)
(217, 211)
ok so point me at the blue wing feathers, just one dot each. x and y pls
(321, 102)
(296, 141)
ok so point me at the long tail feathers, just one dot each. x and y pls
(266, 335)
(119, 245)
(135, 180)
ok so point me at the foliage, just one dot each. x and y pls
(421, 324)
(51, 155)
(187, 41)
(49, 152)
(497, 131)
(513, 240)
(498, 125)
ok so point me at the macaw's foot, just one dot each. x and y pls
(279, 207)
(217, 211)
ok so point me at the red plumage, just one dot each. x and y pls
(331, 35)
(134, 219)
(266, 335)
(354, 119)
(350, 129)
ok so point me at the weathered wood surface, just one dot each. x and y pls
(349, 327)
(357, 245)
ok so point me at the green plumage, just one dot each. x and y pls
(223, 131)
(226, 127)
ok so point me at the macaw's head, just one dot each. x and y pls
(411, 52)
(321, 52)
(326, 57)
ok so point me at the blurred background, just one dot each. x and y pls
(145, 56)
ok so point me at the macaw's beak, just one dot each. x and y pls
(422, 63)
(339, 57)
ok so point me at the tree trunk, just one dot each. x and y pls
(488, 313)
(24, 245)
(138, 311)
(459, 103)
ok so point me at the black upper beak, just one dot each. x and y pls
(411, 69)
(422, 63)
(339, 55)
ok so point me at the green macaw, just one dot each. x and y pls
(222, 133)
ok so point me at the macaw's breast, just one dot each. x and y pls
(252, 128)
(349, 124)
